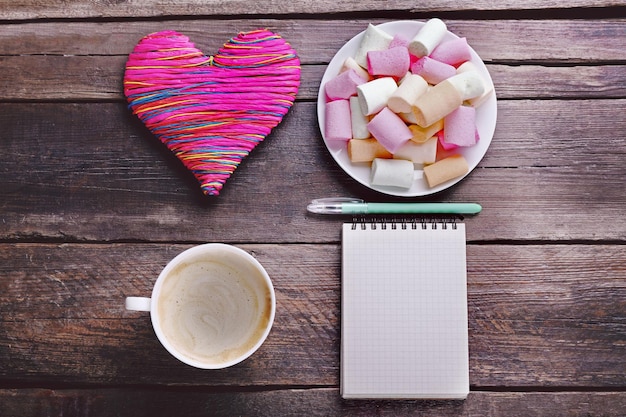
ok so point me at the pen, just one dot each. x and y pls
(346, 205)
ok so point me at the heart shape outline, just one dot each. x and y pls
(211, 111)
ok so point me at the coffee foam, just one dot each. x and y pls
(214, 310)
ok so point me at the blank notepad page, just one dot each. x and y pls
(404, 311)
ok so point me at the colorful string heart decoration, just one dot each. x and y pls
(212, 111)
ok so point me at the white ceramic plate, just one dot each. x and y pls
(485, 117)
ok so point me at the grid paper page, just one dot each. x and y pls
(404, 312)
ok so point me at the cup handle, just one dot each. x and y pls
(138, 303)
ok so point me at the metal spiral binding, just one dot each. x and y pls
(403, 223)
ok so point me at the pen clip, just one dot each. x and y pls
(332, 205)
(337, 200)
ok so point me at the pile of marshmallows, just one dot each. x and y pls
(414, 94)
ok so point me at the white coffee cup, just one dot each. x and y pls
(212, 306)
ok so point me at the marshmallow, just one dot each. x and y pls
(476, 101)
(411, 87)
(469, 84)
(428, 37)
(432, 70)
(443, 98)
(399, 40)
(358, 120)
(393, 62)
(389, 129)
(337, 124)
(422, 134)
(444, 145)
(460, 127)
(453, 52)
(366, 150)
(392, 172)
(374, 39)
(418, 153)
(449, 168)
(343, 85)
(408, 117)
(374, 94)
(350, 63)
(436, 103)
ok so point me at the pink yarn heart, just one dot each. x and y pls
(212, 111)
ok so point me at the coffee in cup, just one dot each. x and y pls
(212, 306)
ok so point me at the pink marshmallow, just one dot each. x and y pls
(432, 70)
(392, 62)
(338, 124)
(459, 127)
(389, 129)
(343, 85)
(442, 142)
(453, 52)
(399, 40)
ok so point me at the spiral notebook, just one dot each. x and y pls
(404, 311)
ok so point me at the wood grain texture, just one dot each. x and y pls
(92, 207)
(316, 402)
(36, 9)
(77, 78)
(538, 316)
(569, 41)
(112, 180)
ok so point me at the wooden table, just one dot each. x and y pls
(92, 207)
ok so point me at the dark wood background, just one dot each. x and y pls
(92, 207)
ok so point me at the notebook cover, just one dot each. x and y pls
(404, 312)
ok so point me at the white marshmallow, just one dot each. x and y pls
(469, 84)
(476, 101)
(411, 87)
(374, 94)
(374, 39)
(359, 120)
(350, 63)
(428, 37)
(392, 173)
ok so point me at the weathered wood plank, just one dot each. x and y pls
(523, 41)
(34, 9)
(73, 78)
(310, 402)
(546, 265)
(546, 82)
(546, 315)
(109, 179)
(77, 61)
